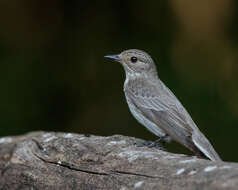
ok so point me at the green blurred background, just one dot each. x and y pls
(53, 75)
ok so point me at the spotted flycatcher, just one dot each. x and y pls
(156, 107)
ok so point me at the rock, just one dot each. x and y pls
(67, 161)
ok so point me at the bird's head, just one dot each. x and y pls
(135, 62)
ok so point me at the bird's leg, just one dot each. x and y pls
(159, 142)
(156, 144)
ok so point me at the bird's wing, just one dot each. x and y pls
(160, 105)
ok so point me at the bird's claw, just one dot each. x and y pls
(150, 144)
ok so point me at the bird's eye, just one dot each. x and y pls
(133, 59)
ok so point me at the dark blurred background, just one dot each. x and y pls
(54, 77)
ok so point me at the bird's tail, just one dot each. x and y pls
(205, 146)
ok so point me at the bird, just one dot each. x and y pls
(155, 107)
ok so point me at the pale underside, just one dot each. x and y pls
(157, 108)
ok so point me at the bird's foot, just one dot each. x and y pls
(150, 144)
(158, 143)
(160, 140)
(87, 135)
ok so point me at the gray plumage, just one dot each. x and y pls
(156, 107)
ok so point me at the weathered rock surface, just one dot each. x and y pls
(55, 161)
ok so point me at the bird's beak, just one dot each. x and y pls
(113, 57)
